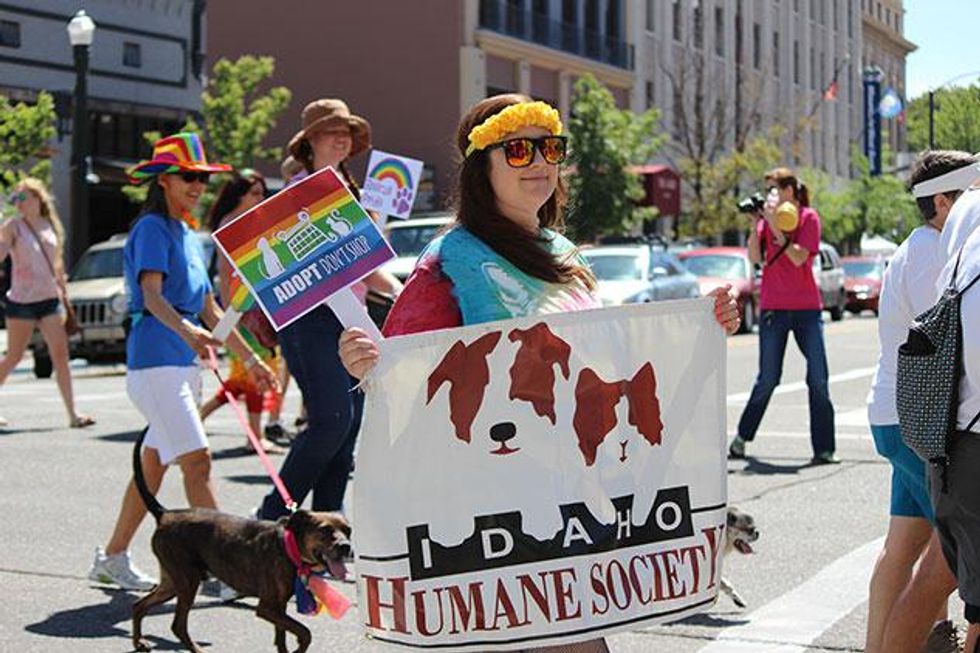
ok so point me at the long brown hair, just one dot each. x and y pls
(231, 194)
(476, 208)
(48, 210)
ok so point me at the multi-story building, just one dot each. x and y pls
(885, 47)
(755, 64)
(145, 74)
(413, 68)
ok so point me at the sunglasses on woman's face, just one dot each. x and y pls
(519, 152)
(190, 176)
(20, 196)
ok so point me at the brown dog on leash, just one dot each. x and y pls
(246, 554)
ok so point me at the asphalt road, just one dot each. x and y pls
(805, 586)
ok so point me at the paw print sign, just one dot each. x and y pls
(391, 184)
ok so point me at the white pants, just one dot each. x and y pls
(168, 397)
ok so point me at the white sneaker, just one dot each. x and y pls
(217, 588)
(118, 569)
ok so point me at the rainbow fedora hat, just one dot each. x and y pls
(176, 153)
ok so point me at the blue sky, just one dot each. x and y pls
(946, 32)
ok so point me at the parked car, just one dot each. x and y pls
(409, 237)
(717, 266)
(829, 273)
(97, 290)
(637, 273)
(862, 282)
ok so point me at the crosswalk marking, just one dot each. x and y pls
(791, 622)
(850, 375)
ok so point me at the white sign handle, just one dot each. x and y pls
(223, 328)
(352, 313)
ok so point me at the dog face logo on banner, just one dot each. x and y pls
(539, 372)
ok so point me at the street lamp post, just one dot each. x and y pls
(81, 29)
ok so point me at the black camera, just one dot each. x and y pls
(752, 204)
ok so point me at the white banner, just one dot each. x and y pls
(543, 480)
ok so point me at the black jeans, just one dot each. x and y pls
(322, 455)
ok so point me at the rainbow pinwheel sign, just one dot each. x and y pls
(300, 246)
(391, 184)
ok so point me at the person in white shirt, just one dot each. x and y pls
(907, 291)
(958, 507)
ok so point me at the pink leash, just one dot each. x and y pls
(270, 469)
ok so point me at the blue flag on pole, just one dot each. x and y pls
(890, 105)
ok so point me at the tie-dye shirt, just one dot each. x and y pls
(460, 280)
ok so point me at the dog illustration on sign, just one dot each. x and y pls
(533, 379)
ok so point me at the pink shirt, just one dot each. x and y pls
(786, 286)
(31, 280)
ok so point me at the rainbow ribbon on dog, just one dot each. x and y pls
(312, 591)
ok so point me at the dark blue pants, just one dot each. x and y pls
(807, 330)
(321, 457)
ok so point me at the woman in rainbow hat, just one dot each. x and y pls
(169, 296)
(505, 257)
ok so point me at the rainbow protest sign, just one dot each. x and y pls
(391, 184)
(300, 246)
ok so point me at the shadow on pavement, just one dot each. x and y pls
(715, 620)
(13, 430)
(756, 466)
(249, 479)
(112, 619)
(125, 436)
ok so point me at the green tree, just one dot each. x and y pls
(712, 205)
(25, 130)
(873, 205)
(956, 119)
(606, 143)
(237, 116)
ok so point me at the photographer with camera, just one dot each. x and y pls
(784, 239)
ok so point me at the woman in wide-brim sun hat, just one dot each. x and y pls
(169, 296)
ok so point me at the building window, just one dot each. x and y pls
(698, 25)
(775, 54)
(813, 10)
(796, 62)
(9, 34)
(650, 9)
(132, 56)
(650, 98)
(813, 68)
(719, 31)
(569, 12)
(756, 45)
(796, 6)
(677, 20)
(834, 11)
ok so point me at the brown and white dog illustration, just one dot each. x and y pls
(540, 370)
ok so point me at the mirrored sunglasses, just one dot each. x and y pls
(519, 152)
(20, 196)
(191, 176)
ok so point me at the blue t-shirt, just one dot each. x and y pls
(161, 244)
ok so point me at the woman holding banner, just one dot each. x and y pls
(321, 457)
(169, 296)
(505, 257)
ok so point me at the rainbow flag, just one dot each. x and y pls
(300, 246)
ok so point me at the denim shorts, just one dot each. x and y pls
(33, 310)
(910, 494)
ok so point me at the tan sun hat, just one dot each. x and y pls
(321, 113)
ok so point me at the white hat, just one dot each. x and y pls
(959, 179)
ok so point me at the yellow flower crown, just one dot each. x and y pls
(525, 114)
